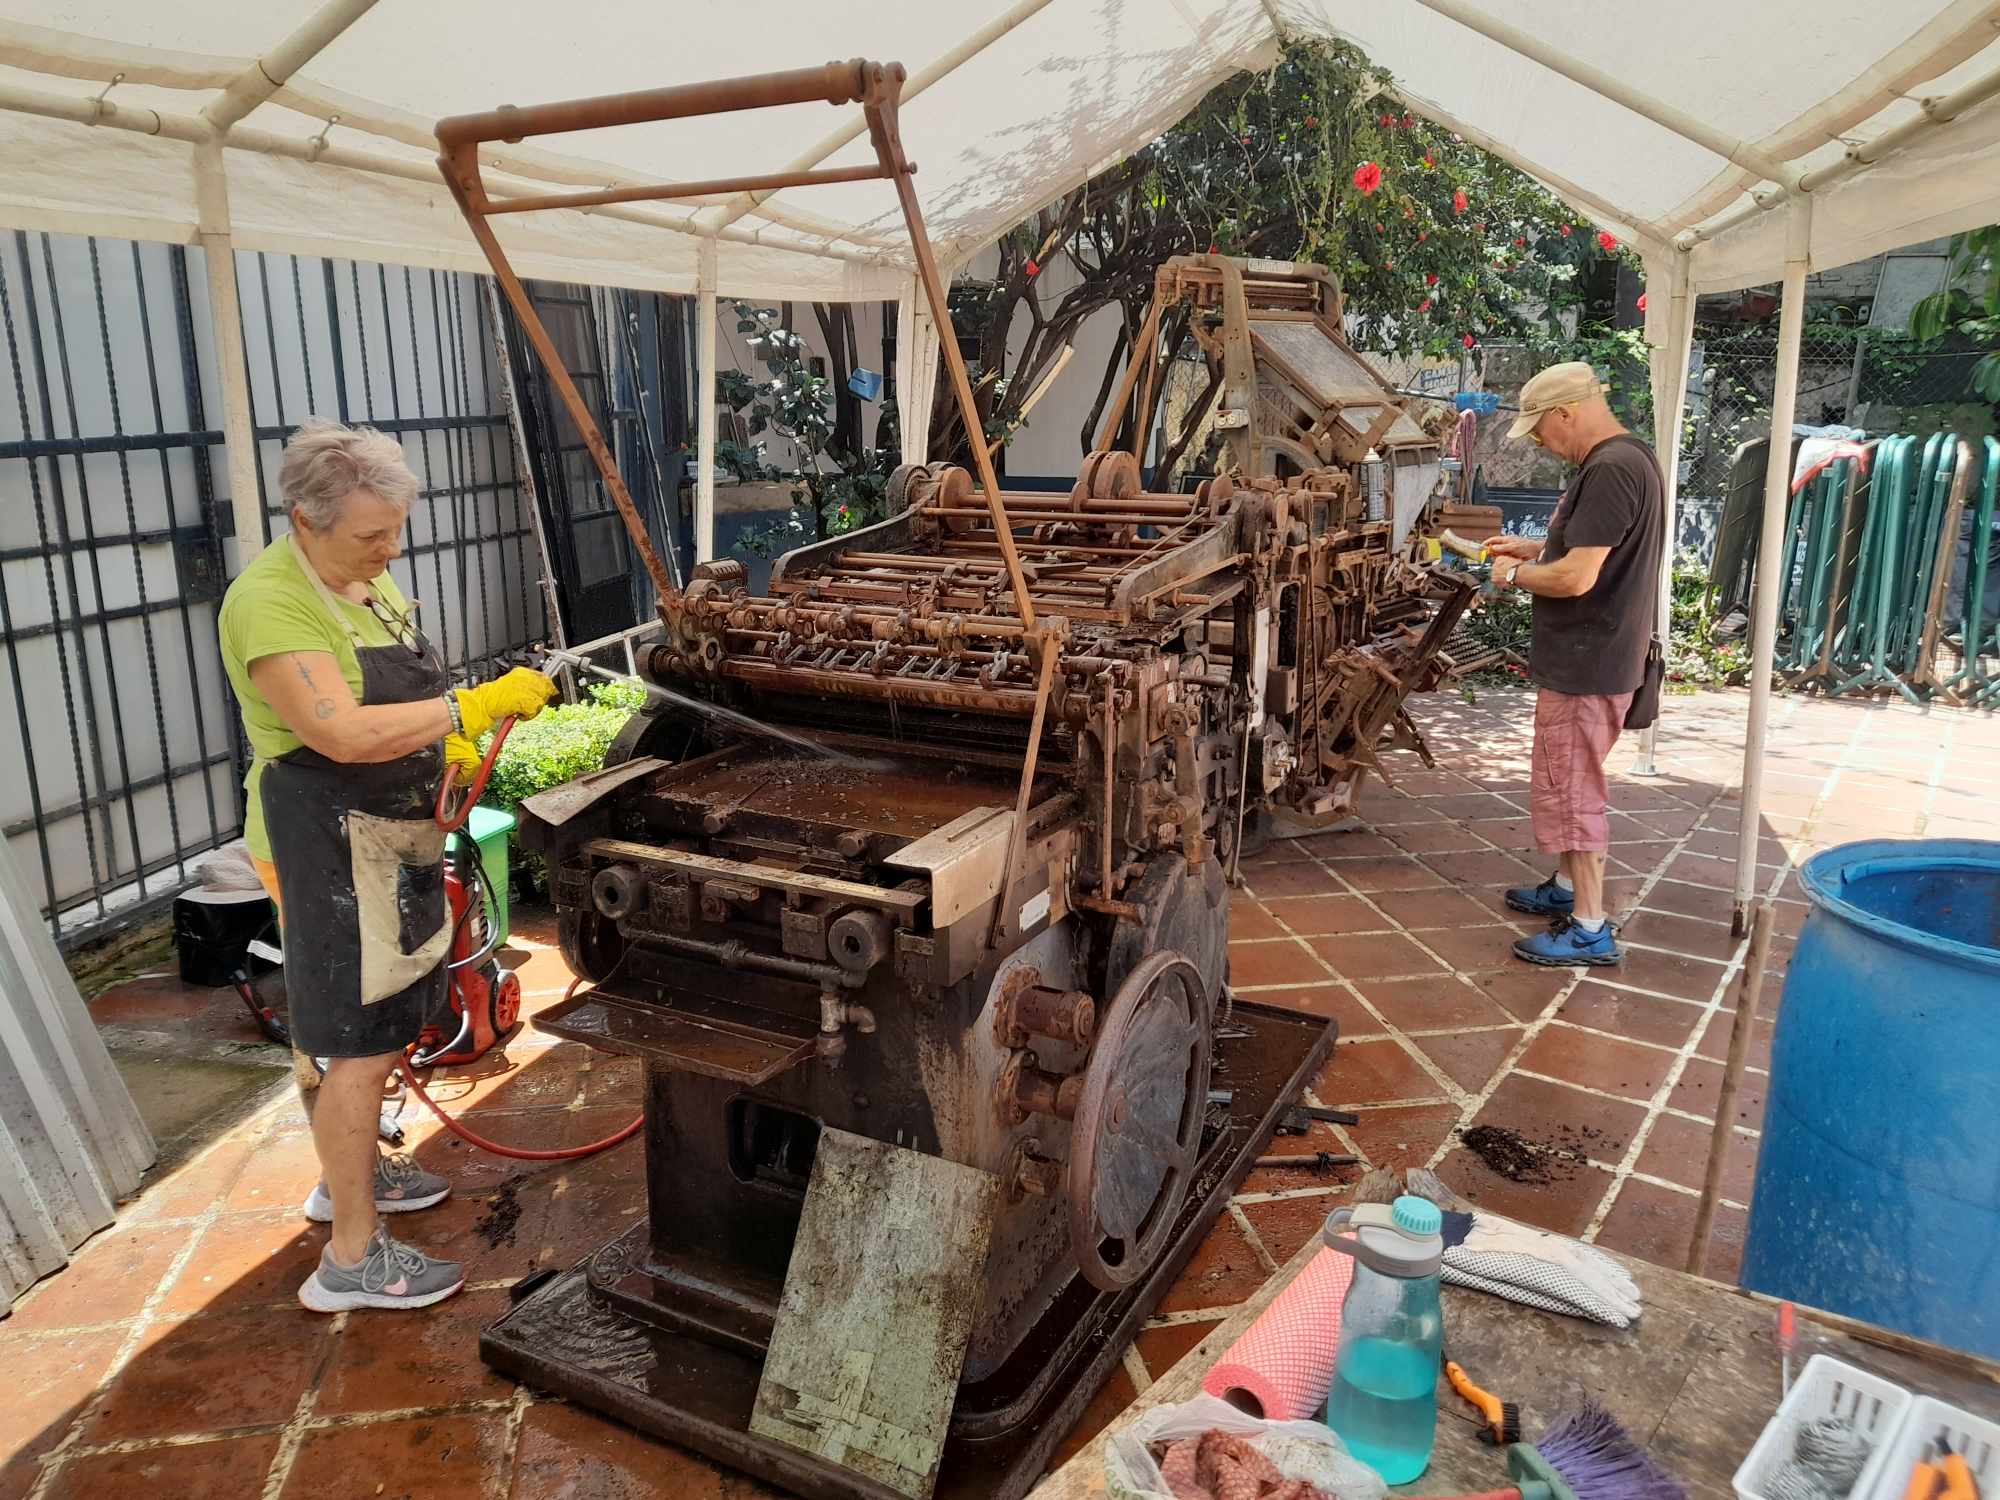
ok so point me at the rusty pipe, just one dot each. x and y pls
(1016, 703)
(832, 83)
(736, 954)
(648, 192)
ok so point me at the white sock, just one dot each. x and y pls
(1563, 882)
(1592, 927)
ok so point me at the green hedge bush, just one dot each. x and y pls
(561, 743)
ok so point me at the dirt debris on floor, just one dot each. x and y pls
(1519, 1159)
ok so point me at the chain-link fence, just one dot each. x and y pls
(1879, 380)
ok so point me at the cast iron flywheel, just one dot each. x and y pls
(1137, 1128)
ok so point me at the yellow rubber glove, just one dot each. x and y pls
(521, 694)
(461, 752)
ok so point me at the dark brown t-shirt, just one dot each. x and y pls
(1596, 643)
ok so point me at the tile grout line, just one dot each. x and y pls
(1628, 1164)
(1509, 1066)
(53, 1461)
(1242, 1221)
(293, 1437)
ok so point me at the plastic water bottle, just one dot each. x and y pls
(1384, 1398)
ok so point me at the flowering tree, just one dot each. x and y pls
(1438, 244)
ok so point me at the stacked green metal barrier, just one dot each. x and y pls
(1866, 573)
(1974, 684)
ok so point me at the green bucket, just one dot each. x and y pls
(489, 827)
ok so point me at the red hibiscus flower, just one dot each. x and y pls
(1458, 201)
(1424, 306)
(1367, 178)
(1388, 121)
(1470, 341)
(1565, 230)
(1642, 302)
(1429, 160)
(1407, 122)
(1430, 278)
(1606, 241)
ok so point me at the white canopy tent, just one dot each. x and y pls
(1733, 144)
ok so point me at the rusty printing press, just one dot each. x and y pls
(944, 1078)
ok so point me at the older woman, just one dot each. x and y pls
(347, 706)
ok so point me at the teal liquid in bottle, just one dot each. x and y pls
(1383, 1403)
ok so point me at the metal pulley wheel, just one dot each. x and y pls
(1137, 1129)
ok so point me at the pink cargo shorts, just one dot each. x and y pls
(1573, 735)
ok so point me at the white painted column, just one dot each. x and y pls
(906, 371)
(1670, 386)
(1770, 544)
(704, 486)
(919, 367)
(225, 312)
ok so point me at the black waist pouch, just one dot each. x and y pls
(1645, 707)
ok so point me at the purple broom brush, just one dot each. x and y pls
(1585, 1455)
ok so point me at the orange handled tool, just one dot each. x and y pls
(1503, 1418)
(1924, 1480)
(1958, 1481)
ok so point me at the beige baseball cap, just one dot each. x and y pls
(1558, 385)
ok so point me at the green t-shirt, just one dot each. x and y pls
(270, 609)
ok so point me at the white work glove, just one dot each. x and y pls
(1540, 1269)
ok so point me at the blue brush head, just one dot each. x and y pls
(1588, 1455)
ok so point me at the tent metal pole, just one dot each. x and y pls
(194, 129)
(1770, 544)
(239, 430)
(1669, 408)
(1648, 235)
(728, 213)
(704, 483)
(267, 74)
(1669, 118)
(1936, 113)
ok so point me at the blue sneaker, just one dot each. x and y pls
(1566, 945)
(1545, 900)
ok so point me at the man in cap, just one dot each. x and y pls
(1595, 580)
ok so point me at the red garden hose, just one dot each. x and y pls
(451, 818)
(519, 1153)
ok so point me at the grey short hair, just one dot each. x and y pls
(326, 461)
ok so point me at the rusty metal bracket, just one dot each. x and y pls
(877, 87)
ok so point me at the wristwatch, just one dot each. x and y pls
(1513, 573)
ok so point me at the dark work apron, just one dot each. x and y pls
(361, 867)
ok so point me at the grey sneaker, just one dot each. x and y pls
(401, 1187)
(391, 1274)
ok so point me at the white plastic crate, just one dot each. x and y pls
(1828, 1388)
(1974, 1437)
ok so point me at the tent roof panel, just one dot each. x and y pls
(1060, 88)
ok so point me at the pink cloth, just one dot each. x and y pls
(1573, 735)
(1285, 1359)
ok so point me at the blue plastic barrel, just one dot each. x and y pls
(1878, 1181)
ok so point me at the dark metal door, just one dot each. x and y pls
(589, 553)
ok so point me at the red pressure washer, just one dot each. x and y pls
(486, 999)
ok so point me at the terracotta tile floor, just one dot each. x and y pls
(171, 1357)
